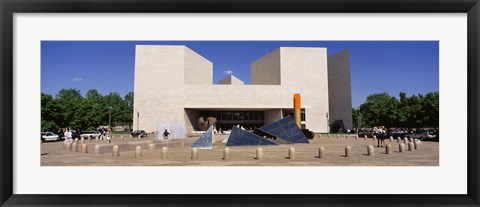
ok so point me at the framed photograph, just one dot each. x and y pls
(200, 103)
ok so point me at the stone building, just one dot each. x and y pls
(174, 88)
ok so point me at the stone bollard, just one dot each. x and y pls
(69, 146)
(151, 146)
(401, 147)
(226, 153)
(116, 151)
(84, 148)
(388, 149)
(411, 139)
(194, 154)
(329, 136)
(346, 136)
(259, 153)
(321, 152)
(370, 150)
(391, 139)
(65, 144)
(410, 146)
(291, 153)
(405, 140)
(164, 153)
(338, 136)
(75, 147)
(356, 136)
(374, 137)
(96, 139)
(75, 140)
(89, 139)
(131, 137)
(348, 151)
(82, 140)
(417, 145)
(138, 151)
(398, 139)
(121, 137)
(365, 137)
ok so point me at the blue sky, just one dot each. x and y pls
(108, 66)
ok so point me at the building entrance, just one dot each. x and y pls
(227, 119)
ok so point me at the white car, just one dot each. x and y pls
(91, 134)
(421, 135)
(49, 136)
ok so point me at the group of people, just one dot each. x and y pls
(105, 135)
(382, 133)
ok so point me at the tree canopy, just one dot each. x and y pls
(381, 109)
(69, 109)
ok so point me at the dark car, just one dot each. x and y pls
(363, 132)
(139, 133)
(75, 135)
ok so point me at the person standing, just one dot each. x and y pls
(166, 134)
(69, 134)
(108, 137)
(65, 134)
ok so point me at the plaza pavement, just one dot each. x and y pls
(179, 154)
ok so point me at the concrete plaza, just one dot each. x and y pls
(179, 154)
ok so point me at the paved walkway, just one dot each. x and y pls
(53, 154)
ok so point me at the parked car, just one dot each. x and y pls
(75, 135)
(139, 133)
(422, 135)
(49, 136)
(400, 133)
(363, 132)
(91, 134)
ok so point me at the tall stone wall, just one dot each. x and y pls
(266, 70)
(198, 70)
(339, 88)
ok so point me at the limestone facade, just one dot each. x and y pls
(231, 80)
(339, 88)
(173, 83)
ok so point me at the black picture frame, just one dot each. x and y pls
(10, 7)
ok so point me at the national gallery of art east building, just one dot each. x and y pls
(174, 89)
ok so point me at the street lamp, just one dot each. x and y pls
(358, 117)
(109, 116)
(328, 122)
(138, 118)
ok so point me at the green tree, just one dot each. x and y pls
(70, 110)
(49, 113)
(114, 105)
(128, 114)
(430, 110)
(69, 94)
(416, 111)
(69, 107)
(379, 109)
(96, 112)
(129, 100)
